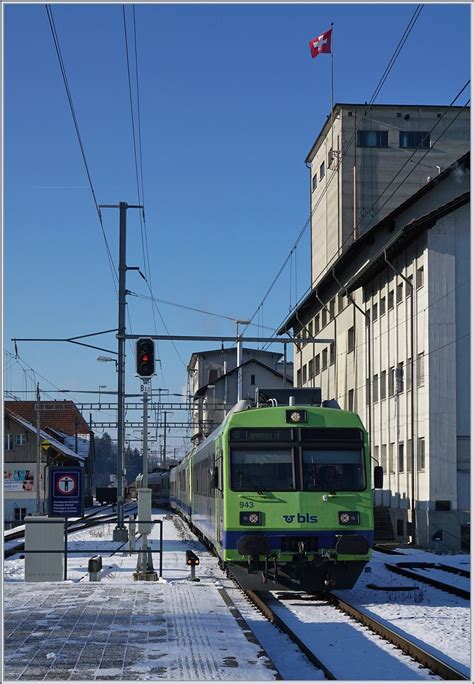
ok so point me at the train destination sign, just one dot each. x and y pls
(66, 491)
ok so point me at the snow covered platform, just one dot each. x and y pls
(120, 629)
(126, 631)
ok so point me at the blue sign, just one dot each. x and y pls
(66, 492)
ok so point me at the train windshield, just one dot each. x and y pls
(333, 469)
(262, 469)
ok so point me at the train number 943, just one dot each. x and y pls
(246, 504)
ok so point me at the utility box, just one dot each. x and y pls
(144, 510)
(46, 535)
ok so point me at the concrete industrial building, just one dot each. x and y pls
(367, 160)
(396, 301)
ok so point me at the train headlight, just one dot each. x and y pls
(251, 518)
(349, 518)
(296, 416)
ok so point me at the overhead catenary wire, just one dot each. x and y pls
(55, 36)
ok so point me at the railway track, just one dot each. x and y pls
(90, 520)
(277, 608)
(409, 570)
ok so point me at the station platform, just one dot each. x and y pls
(120, 629)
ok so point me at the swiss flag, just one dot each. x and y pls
(321, 44)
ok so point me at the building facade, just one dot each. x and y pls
(367, 160)
(396, 303)
(26, 489)
(213, 382)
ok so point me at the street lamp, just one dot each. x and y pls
(239, 360)
(108, 358)
(101, 387)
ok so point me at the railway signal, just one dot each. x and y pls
(145, 357)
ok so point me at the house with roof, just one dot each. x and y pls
(64, 439)
(214, 377)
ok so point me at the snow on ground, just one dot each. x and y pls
(437, 620)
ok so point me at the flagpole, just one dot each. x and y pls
(332, 89)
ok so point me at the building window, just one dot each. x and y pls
(400, 458)
(305, 374)
(375, 312)
(372, 138)
(383, 385)
(311, 368)
(332, 353)
(382, 306)
(383, 458)
(421, 453)
(318, 364)
(298, 377)
(8, 442)
(409, 455)
(324, 318)
(310, 329)
(20, 440)
(340, 302)
(350, 400)
(390, 300)
(420, 370)
(420, 277)
(399, 378)
(350, 340)
(332, 306)
(325, 359)
(391, 381)
(414, 139)
(367, 391)
(391, 462)
(399, 292)
(410, 289)
(19, 513)
(322, 171)
(316, 325)
(375, 388)
(252, 379)
(315, 182)
(408, 375)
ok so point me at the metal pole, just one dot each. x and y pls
(145, 388)
(164, 439)
(239, 361)
(120, 532)
(38, 451)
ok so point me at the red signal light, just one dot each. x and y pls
(145, 357)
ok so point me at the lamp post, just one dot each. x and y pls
(239, 359)
(108, 358)
(101, 387)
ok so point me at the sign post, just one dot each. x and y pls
(66, 491)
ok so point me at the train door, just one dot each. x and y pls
(219, 518)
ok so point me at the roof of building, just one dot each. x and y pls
(57, 446)
(196, 355)
(348, 105)
(289, 376)
(59, 415)
(395, 242)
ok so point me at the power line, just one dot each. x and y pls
(192, 308)
(52, 25)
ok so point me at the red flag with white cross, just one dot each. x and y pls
(321, 44)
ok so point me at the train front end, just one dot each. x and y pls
(297, 510)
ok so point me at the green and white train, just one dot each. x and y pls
(283, 495)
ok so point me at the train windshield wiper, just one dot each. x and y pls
(257, 488)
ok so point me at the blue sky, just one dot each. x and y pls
(231, 103)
